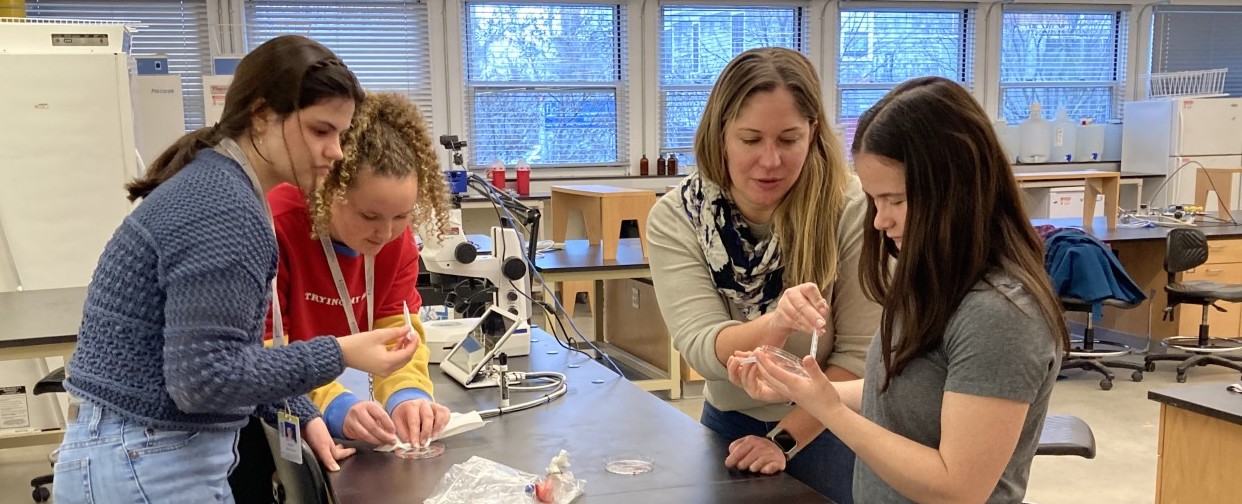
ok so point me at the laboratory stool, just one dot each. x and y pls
(603, 209)
(1066, 435)
(1098, 355)
(569, 294)
(53, 382)
(1186, 249)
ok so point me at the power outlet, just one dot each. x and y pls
(634, 297)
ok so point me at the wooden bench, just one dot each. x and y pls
(1094, 183)
(603, 210)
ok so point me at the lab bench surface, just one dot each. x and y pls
(602, 415)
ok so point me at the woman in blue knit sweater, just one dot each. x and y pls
(170, 359)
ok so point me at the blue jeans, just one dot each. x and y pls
(826, 465)
(107, 458)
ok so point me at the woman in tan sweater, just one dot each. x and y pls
(761, 247)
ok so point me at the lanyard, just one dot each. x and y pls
(343, 291)
(229, 147)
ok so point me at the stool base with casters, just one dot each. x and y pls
(1198, 353)
(1186, 249)
(1098, 355)
(53, 382)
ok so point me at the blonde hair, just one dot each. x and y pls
(390, 138)
(806, 221)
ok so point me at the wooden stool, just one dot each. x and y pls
(569, 294)
(1094, 183)
(603, 209)
(1219, 179)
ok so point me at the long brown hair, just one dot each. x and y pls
(284, 75)
(806, 221)
(964, 217)
(390, 138)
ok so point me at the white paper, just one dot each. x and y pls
(14, 412)
(457, 424)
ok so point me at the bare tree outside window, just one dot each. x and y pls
(1074, 60)
(696, 42)
(545, 83)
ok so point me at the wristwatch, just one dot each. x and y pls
(785, 441)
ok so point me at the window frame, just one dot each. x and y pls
(804, 35)
(1123, 57)
(624, 86)
(972, 37)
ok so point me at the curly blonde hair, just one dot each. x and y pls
(390, 138)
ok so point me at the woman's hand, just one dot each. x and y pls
(379, 352)
(815, 394)
(419, 420)
(755, 454)
(367, 421)
(746, 376)
(323, 446)
(801, 308)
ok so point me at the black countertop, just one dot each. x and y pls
(40, 317)
(1100, 230)
(1209, 399)
(582, 255)
(601, 415)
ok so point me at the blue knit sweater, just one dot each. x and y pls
(172, 331)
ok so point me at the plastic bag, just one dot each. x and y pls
(484, 481)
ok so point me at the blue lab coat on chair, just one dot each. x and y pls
(1083, 267)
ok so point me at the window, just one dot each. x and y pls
(696, 42)
(384, 42)
(546, 84)
(881, 48)
(1203, 38)
(177, 29)
(1074, 60)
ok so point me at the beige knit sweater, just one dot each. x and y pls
(696, 312)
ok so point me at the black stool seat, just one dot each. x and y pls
(1066, 435)
(1077, 305)
(53, 382)
(1207, 290)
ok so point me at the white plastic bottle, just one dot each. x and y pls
(1036, 137)
(1090, 142)
(1064, 136)
(1010, 138)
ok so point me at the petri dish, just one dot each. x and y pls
(432, 450)
(629, 464)
(785, 360)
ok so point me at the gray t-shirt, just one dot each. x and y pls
(996, 345)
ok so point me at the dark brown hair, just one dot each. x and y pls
(806, 221)
(284, 75)
(964, 217)
(390, 138)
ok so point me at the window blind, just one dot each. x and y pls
(1071, 59)
(696, 42)
(880, 48)
(384, 42)
(1199, 38)
(177, 29)
(546, 83)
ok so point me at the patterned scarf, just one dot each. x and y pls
(745, 269)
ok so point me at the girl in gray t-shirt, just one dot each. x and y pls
(958, 379)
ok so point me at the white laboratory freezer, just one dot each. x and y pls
(1160, 136)
(66, 151)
